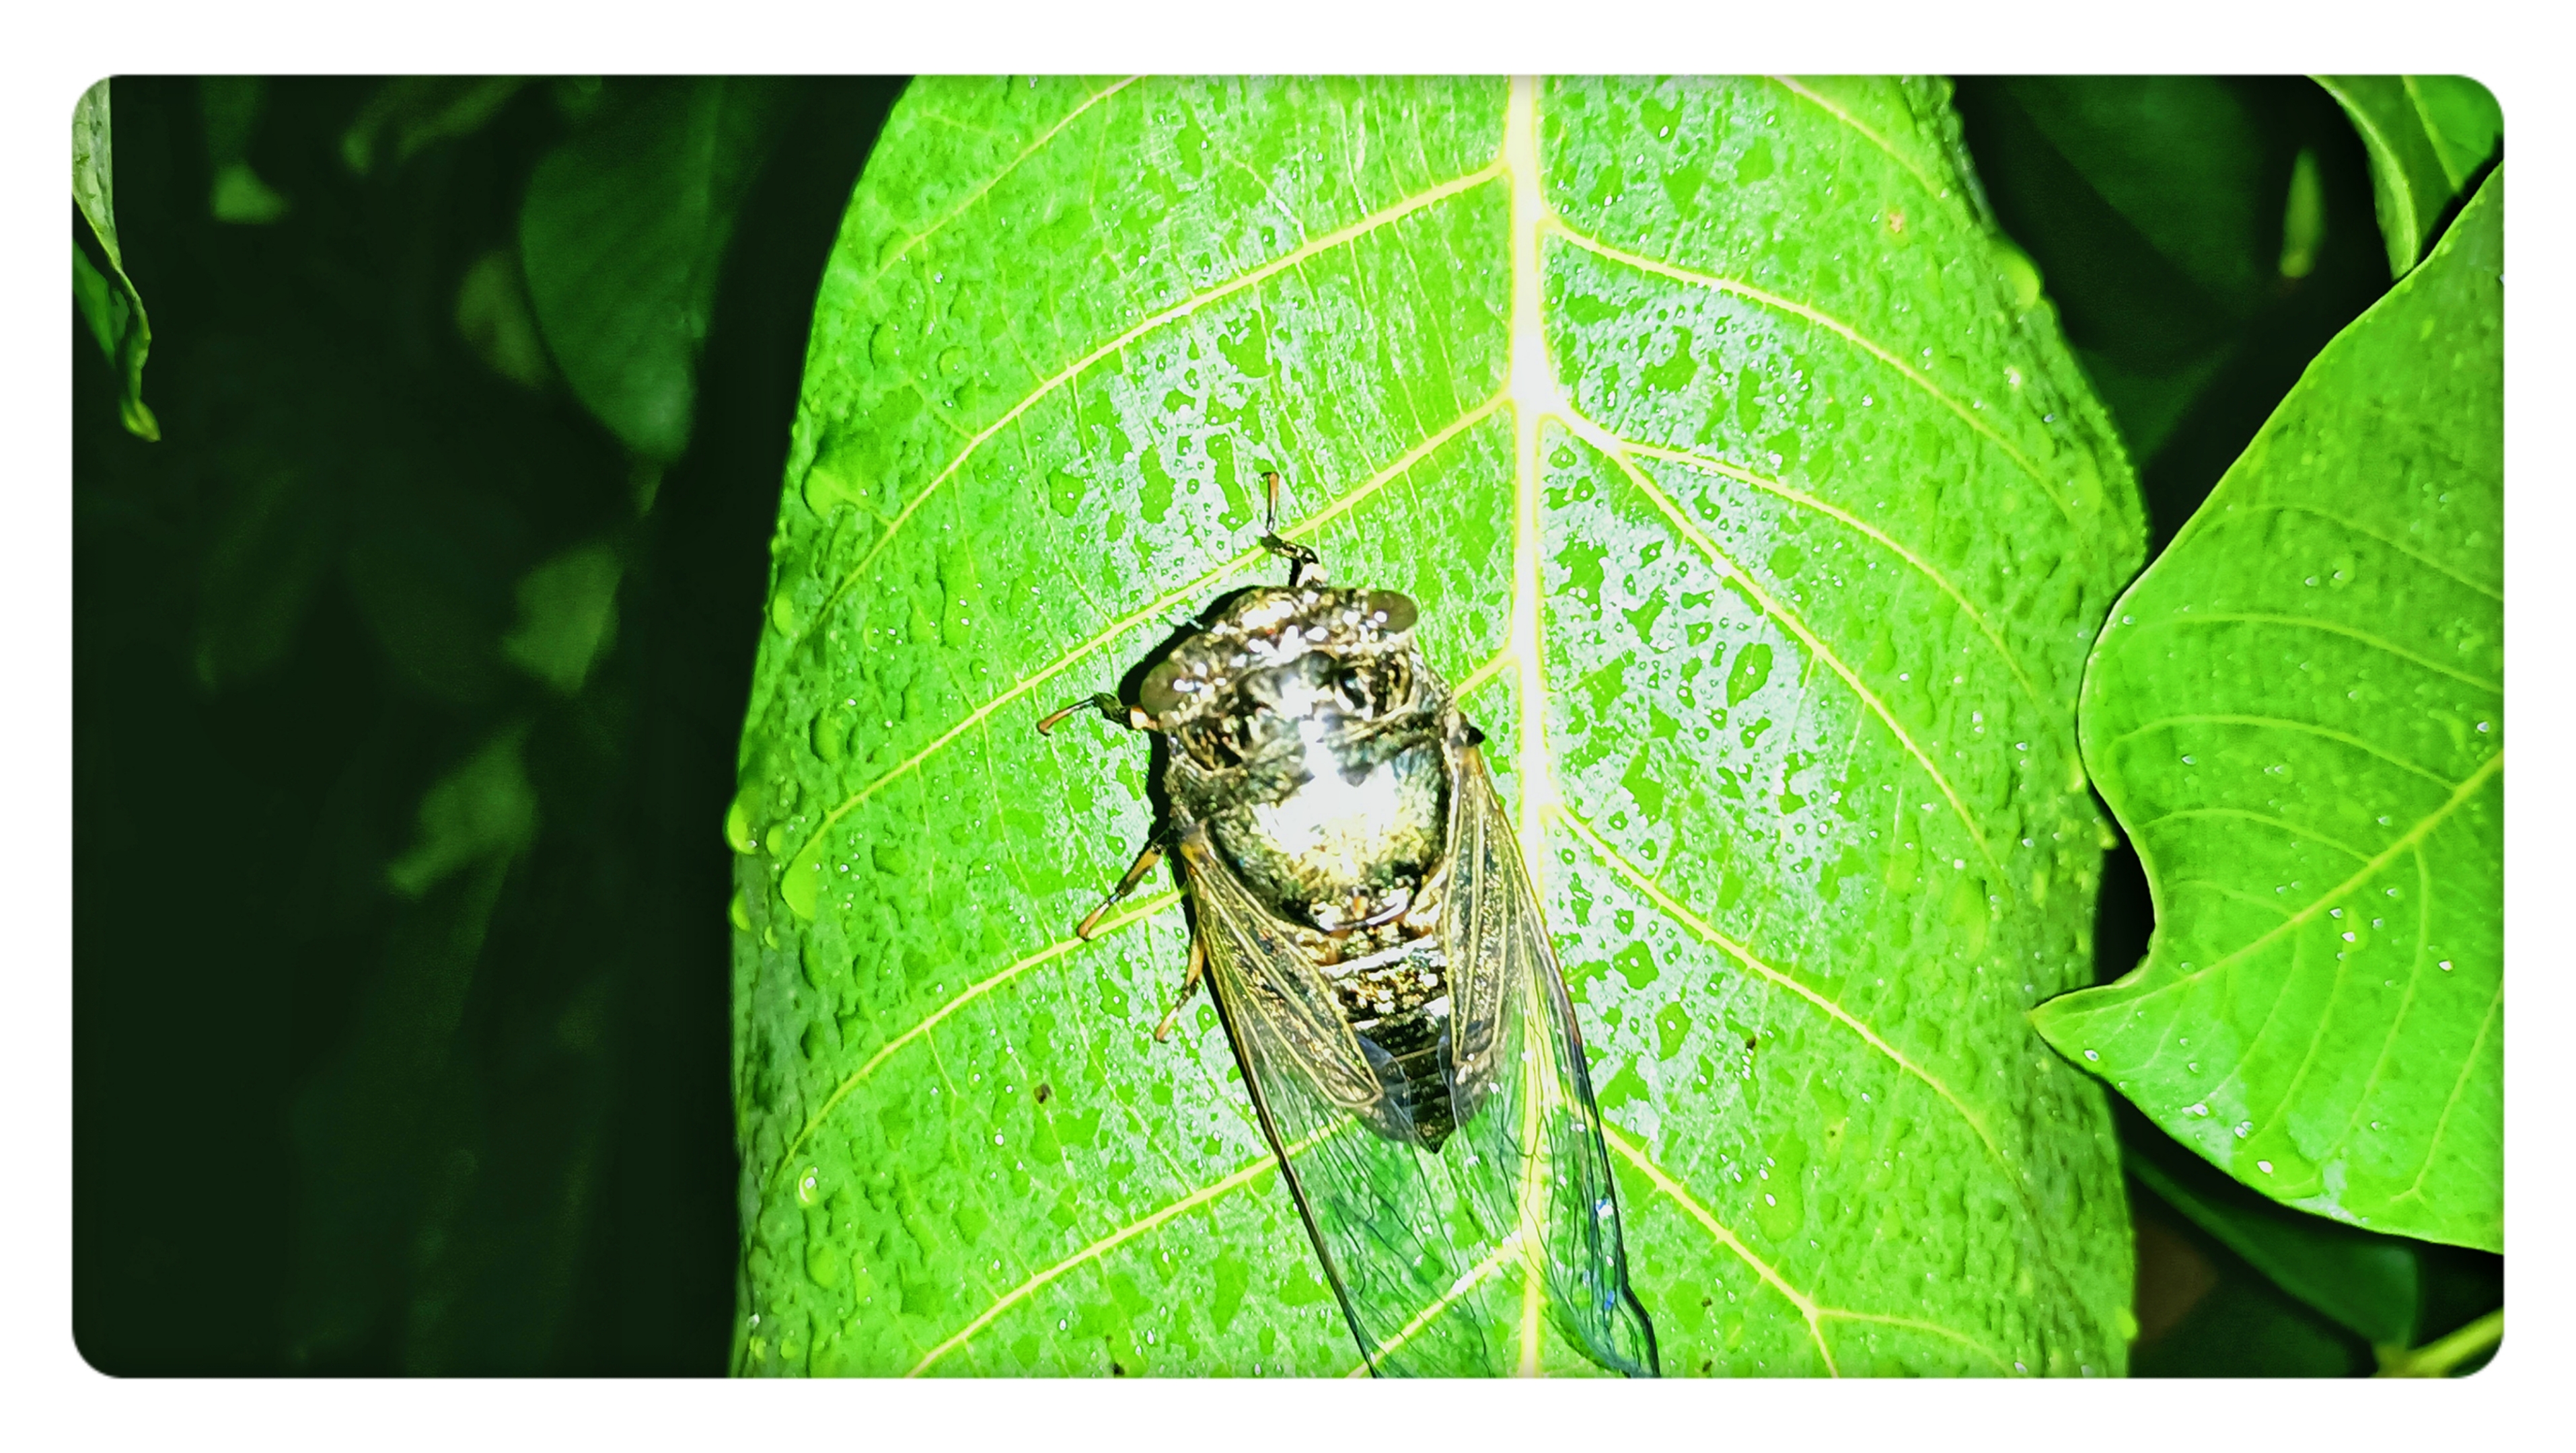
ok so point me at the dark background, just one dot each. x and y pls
(322, 1126)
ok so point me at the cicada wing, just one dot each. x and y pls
(1522, 1092)
(1396, 1233)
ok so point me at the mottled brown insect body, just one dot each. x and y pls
(1361, 915)
(1313, 743)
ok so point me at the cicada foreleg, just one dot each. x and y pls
(1300, 557)
(1189, 986)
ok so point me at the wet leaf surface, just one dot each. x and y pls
(1760, 515)
(2297, 715)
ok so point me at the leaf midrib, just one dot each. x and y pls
(1542, 799)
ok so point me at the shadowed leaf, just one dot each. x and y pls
(622, 238)
(2427, 137)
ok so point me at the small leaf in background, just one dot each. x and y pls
(495, 320)
(2367, 1283)
(270, 551)
(567, 616)
(2297, 714)
(2303, 217)
(2242, 1326)
(413, 112)
(2154, 203)
(238, 195)
(622, 240)
(123, 331)
(1808, 516)
(484, 808)
(2427, 136)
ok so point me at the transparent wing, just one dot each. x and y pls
(1400, 1237)
(1522, 1093)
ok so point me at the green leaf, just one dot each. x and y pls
(567, 616)
(2297, 714)
(270, 547)
(623, 237)
(1762, 529)
(483, 809)
(2180, 159)
(2427, 136)
(494, 318)
(124, 333)
(417, 112)
(2367, 1283)
(2154, 205)
(231, 105)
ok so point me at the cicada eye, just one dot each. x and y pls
(1396, 608)
(1157, 695)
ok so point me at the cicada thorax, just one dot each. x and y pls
(1313, 743)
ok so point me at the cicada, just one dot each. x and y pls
(1361, 915)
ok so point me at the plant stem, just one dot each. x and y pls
(2438, 1358)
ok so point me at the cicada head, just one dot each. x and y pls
(1306, 733)
(1275, 668)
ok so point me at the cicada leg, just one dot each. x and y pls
(1151, 854)
(1189, 986)
(1300, 557)
(1118, 713)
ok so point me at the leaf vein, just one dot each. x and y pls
(1702, 930)
(2336, 628)
(1854, 522)
(2422, 829)
(1187, 307)
(967, 203)
(1159, 606)
(1798, 626)
(1061, 947)
(1835, 326)
(1856, 124)
(1681, 1196)
(2281, 723)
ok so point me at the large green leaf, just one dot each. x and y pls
(2298, 715)
(1763, 524)
(2427, 137)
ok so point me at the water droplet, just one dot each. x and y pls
(2264, 1166)
(2244, 1128)
(809, 1185)
(2092, 1054)
(2446, 966)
